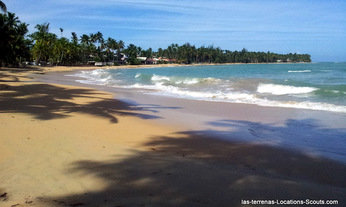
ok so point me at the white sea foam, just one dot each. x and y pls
(238, 97)
(98, 77)
(160, 78)
(179, 80)
(283, 89)
(188, 81)
(299, 71)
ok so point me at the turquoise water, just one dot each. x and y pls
(316, 86)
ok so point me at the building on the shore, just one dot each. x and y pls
(104, 63)
(152, 60)
(142, 59)
(166, 60)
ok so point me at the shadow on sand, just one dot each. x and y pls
(12, 76)
(21, 70)
(308, 135)
(45, 102)
(191, 169)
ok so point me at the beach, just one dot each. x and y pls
(64, 143)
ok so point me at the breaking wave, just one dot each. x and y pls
(283, 89)
(299, 71)
(174, 80)
(212, 89)
(237, 97)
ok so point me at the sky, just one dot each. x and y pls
(316, 27)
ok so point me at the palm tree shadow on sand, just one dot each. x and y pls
(46, 102)
(194, 169)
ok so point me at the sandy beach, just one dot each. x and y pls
(63, 145)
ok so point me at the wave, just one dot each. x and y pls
(175, 80)
(189, 88)
(283, 89)
(237, 97)
(98, 77)
(160, 78)
(299, 71)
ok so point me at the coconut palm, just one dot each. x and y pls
(86, 47)
(44, 43)
(74, 38)
(85, 39)
(61, 31)
(120, 46)
(14, 48)
(111, 45)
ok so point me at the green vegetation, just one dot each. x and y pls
(14, 47)
(190, 54)
(46, 48)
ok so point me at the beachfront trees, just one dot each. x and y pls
(98, 42)
(76, 54)
(44, 41)
(87, 48)
(56, 51)
(148, 53)
(132, 53)
(121, 46)
(47, 48)
(14, 47)
(60, 51)
(111, 47)
(188, 53)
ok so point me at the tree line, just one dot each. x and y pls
(44, 47)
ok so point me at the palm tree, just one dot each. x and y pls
(132, 52)
(111, 45)
(74, 38)
(42, 31)
(61, 31)
(86, 47)
(3, 7)
(13, 45)
(85, 39)
(120, 46)
(44, 42)
(93, 38)
(12, 20)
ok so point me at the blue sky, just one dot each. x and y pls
(317, 27)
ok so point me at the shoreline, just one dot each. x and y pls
(77, 68)
(65, 145)
(204, 115)
(318, 105)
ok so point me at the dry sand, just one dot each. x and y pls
(72, 68)
(71, 146)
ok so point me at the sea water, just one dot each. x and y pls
(315, 86)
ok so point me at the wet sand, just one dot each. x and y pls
(75, 146)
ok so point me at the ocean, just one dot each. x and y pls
(315, 86)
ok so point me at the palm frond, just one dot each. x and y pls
(3, 6)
